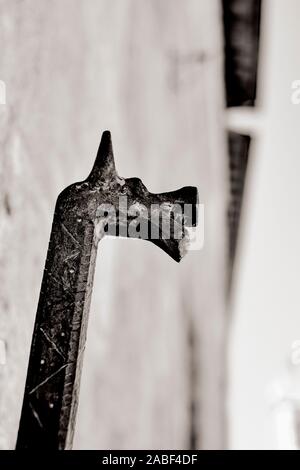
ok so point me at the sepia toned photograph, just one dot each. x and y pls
(124, 122)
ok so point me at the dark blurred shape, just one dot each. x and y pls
(241, 20)
(238, 147)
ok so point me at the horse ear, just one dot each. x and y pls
(104, 163)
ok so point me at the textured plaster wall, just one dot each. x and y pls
(150, 71)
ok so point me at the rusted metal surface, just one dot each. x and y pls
(52, 386)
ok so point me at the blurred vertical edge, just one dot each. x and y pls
(241, 22)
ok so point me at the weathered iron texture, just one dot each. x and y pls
(53, 379)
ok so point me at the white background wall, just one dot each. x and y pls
(266, 300)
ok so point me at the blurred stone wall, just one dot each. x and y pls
(151, 72)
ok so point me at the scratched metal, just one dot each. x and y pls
(53, 378)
